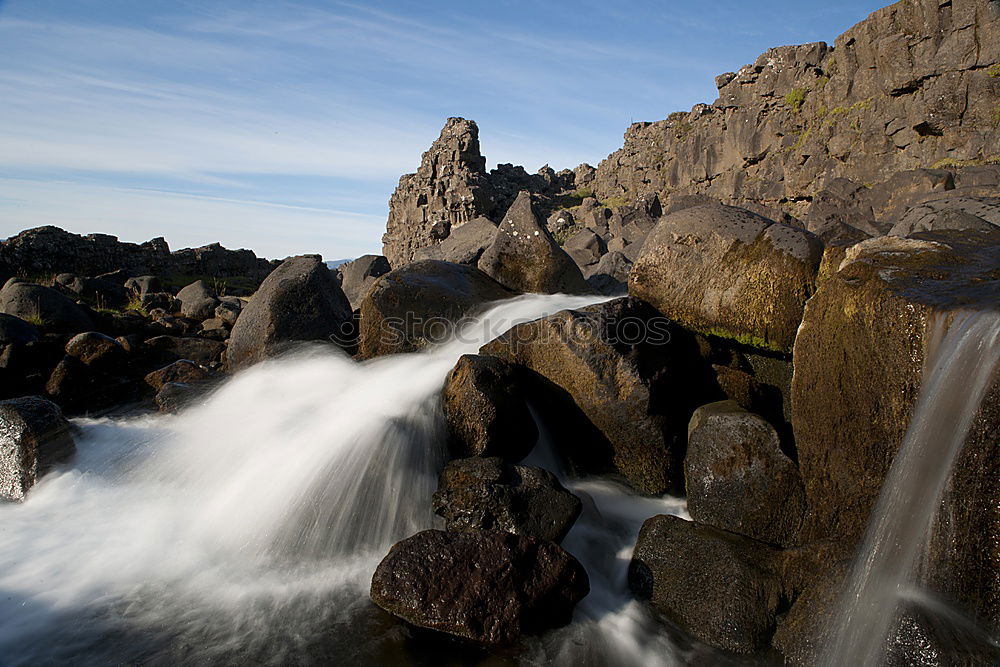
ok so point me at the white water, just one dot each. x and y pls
(962, 357)
(247, 529)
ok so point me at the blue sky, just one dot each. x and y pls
(284, 126)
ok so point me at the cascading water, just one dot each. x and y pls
(247, 529)
(963, 353)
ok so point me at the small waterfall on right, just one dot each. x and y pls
(963, 353)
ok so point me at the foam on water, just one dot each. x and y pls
(247, 528)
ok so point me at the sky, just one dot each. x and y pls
(283, 127)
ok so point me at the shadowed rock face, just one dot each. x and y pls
(488, 586)
(729, 272)
(34, 436)
(906, 88)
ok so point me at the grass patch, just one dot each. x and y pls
(613, 202)
(795, 98)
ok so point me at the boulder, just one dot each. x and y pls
(973, 213)
(173, 397)
(358, 276)
(143, 285)
(738, 479)
(610, 275)
(228, 310)
(621, 381)
(198, 301)
(100, 292)
(34, 437)
(214, 328)
(419, 304)
(15, 331)
(585, 247)
(721, 588)
(180, 372)
(299, 301)
(525, 257)
(465, 244)
(193, 348)
(491, 587)
(81, 388)
(96, 349)
(43, 306)
(486, 411)
(728, 272)
(488, 494)
(859, 360)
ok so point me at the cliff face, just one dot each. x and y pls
(916, 85)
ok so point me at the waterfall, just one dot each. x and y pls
(246, 529)
(962, 356)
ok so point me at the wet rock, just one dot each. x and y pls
(721, 588)
(419, 304)
(737, 477)
(299, 301)
(465, 244)
(488, 494)
(180, 372)
(525, 257)
(486, 411)
(173, 397)
(45, 306)
(490, 587)
(861, 351)
(34, 437)
(728, 272)
(358, 276)
(621, 384)
(198, 301)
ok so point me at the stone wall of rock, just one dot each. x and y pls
(51, 250)
(916, 85)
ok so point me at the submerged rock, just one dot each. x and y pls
(486, 411)
(487, 494)
(491, 587)
(420, 304)
(34, 437)
(299, 301)
(729, 272)
(737, 477)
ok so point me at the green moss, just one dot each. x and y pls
(994, 71)
(996, 116)
(821, 82)
(795, 98)
(743, 339)
(613, 202)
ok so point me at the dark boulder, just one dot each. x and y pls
(15, 331)
(491, 587)
(43, 306)
(99, 292)
(182, 371)
(525, 257)
(34, 437)
(194, 348)
(585, 247)
(358, 276)
(198, 301)
(143, 285)
(610, 275)
(81, 388)
(621, 381)
(419, 304)
(721, 588)
(175, 396)
(737, 477)
(488, 494)
(729, 272)
(96, 349)
(228, 310)
(486, 411)
(299, 301)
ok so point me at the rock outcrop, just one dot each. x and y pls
(910, 87)
(491, 587)
(52, 250)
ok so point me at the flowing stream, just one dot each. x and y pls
(246, 529)
(963, 354)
